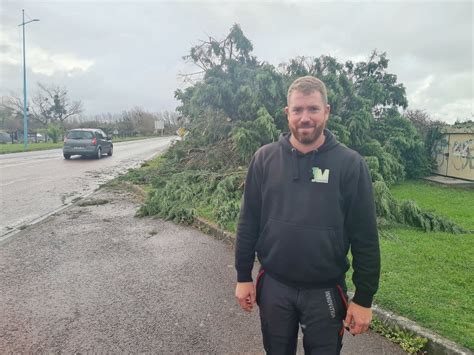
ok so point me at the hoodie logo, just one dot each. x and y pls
(321, 176)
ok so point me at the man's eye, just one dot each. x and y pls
(313, 109)
(297, 110)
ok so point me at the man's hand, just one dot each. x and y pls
(358, 318)
(245, 293)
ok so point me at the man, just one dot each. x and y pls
(307, 201)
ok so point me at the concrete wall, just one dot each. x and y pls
(454, 154)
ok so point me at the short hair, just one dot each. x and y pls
(307, 85)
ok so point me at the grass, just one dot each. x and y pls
(428, 277)
(452, 202)
(207, 213)
(19, 147)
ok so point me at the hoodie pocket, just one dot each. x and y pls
(300, 253)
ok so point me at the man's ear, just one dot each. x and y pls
(286, 110)
(328, 110)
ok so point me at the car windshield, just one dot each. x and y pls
(80, 135)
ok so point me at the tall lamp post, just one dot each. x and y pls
(25, 112)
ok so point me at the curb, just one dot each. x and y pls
(436, 345)
(6, 236)
(214, 230)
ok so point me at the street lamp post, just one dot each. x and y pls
(25, 113)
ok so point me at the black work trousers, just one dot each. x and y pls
(319, 312)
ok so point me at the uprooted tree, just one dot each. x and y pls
(235, 105)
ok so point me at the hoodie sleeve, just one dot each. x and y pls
(361, 226)
(249, 222)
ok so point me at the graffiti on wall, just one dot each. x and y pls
(440, 153)
(461, 155)
(454, 155)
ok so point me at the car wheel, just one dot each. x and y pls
(99, 153)
(67, 156)
(111, 151)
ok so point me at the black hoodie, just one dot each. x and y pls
(301, 213)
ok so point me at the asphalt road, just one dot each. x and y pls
(34, 184)
(96, 279)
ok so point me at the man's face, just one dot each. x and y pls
(307, 116)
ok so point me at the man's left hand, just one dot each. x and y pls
(358, 318)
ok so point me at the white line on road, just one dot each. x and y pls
(13, 182)
(29, 162)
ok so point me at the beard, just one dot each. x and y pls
(307, 137)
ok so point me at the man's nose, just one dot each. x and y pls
(305, 116)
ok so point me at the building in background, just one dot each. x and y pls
(454, 153)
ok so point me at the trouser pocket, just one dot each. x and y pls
(344, 302)
(259, 285)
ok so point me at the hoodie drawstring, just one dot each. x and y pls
(312, 163)
(296, 173)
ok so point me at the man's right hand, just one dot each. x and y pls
(245, 293)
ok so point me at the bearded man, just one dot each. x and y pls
(308, 200)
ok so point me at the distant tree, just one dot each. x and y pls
(10, 117)
(54, 131)
(467, 122)
(144, 122)
(125, 124)
(51, 104)
(12, 110)
(136, 121)
(171, 119)
(400, 138)
(422, 121)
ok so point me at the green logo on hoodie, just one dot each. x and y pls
(320, 175)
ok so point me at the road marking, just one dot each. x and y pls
(13, 182)
(3, 166)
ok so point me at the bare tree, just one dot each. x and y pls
(422, 121)
(52, 104)
(169, 117)
(10, 115)
(13, 105)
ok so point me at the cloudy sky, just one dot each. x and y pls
(114, 55)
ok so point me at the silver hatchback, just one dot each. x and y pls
(90, 142)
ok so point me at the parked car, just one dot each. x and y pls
(5, 138)
(87, 142)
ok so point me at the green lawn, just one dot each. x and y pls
(19, 147)
(428, 277)
(452, 202)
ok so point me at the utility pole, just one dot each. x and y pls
(25, 112)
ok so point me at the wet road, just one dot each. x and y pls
(35, 184)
